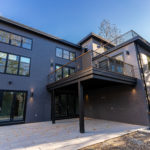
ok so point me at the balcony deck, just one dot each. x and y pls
(93, 75)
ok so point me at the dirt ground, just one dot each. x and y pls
(139, 140)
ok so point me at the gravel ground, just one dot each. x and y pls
(139, 140)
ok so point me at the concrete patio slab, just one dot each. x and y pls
(64, 135)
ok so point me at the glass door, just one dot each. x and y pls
(6, 100)
(12, 106)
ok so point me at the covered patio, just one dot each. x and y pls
(62, 135)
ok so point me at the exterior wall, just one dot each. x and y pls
(42, 54)
(120, 103)
(144, 60)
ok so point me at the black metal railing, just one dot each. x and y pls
(86, 60)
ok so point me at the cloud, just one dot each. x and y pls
(1, 14)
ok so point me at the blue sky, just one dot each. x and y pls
(73, 19)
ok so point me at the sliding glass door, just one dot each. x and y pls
(12, 106)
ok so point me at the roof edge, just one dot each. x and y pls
(36, 31)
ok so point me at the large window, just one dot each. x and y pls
(24, 66)
(62, 53)
(3, 57)
(15, 40)
(13, 64)
(63, 72)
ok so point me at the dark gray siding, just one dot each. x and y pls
(122, 103)
(43, 51)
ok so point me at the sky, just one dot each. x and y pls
(73, 19)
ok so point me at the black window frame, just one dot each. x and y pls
(22, 36)
(62, 75)
(63, 49)
(18, 65)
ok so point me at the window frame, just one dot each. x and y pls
(18, 65)
(56, 52)
(62, 71)
(22, 36)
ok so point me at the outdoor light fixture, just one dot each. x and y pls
(127, 53)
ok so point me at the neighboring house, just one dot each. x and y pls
(44, 78)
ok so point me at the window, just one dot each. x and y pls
(15, 40)
(24, 66)
(65, 72)
(3, 57)
(26, 43)
(59, 52)
(66, 54)
(58, 73)
(12, 66)
(4, 36)
(72, 56)
(72, 70)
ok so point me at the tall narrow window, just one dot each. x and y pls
(72, 56)
(3, 57)
(66, 54)
(58, 73)
(26, 43)
(15, 40)
(4, 36)
(24, 66)
(59, 52)
(12, 65)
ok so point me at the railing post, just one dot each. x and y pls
(53, 106)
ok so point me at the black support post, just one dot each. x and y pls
(81, 107)
(53, 106)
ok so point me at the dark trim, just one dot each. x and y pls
(18, 65)
(21, 40)
(24, 112)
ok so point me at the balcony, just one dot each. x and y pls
(87, 67)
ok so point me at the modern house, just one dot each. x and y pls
(45, 78)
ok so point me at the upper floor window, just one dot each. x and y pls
(72, 56)
(15, 40)
(13, 64)
(59, 52)
(4, 36)
(24, 66)
(26, 43)
(65, 54)
(3, 57)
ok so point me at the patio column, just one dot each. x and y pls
(81, 107)
(53, 106)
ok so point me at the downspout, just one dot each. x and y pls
(143, 78)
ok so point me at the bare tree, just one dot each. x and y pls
(108, 31)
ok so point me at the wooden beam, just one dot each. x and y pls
(81, 107)
(53, 106)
